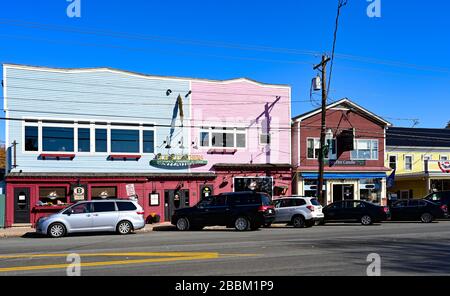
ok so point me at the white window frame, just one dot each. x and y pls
(396, 160)
(371, 149)
(92, 126)
(430, 157)
(216, 129)
(403, 191)
(412, 162)
(443, 156)
(328, 157)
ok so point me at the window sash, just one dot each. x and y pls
(58, 139)
(124, 141)
(365, 150)
(215, 137)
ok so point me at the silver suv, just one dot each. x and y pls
(122, 216)
(298, 211)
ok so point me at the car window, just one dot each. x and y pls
(126, 206)
(100, 207)
(219, 201)
(413, 203)
(286, 203)
(337, 205)
(246, 199)
(265, 200)
(422, 203)
(353, 204)
(277, 203)
(206, 202)
(315, 202)
(80, 209)
(299, 202)
(401, 204)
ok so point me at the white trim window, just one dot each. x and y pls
(223, 137)
(426, 160)
(88, 138)
(365, 150)
(313, 149)
(393, 161)
(408, 162)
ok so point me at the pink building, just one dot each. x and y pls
(242, 129)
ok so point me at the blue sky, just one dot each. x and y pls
(396, 66)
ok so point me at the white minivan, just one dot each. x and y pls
(121, 216)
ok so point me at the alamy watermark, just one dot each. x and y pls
(74, 268)
(74, 8)
(374, 8)
(374, 268)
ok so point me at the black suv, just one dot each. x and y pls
(241, 210)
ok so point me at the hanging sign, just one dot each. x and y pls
(445, 166)
(130, 190)
(174, 160)
(78, 193)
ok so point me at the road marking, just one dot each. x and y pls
(164, 257)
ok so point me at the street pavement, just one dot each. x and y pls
(407, 248)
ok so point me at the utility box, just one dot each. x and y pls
(2, 210)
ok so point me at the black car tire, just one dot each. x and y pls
(183, 224)
(242, 224)
(366, 220)
(298, 221)
(56, 230)
(426, 218)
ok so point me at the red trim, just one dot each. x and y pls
(124, 156)
(57, 156)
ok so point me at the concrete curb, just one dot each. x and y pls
(21, 231)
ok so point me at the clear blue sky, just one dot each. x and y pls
(403, 70)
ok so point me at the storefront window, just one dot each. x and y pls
(124, 141)
(57, 139)
(263, 184)
(53, 195)
(31, 138)
(103, 192)
(370, 190)
(310, 188)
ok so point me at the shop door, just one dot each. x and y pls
(342, 192)
(22, 205)
(173, 200)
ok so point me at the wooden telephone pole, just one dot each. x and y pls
(323, 69)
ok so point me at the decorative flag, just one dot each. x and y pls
(445, 166)
(390, 182)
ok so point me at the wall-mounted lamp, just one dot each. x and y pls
(188, 94)
(167, 142)
(181, 143)
(168, 92)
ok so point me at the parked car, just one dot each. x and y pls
(417, 210)
(441, 197)
(121, 216)
(355, 211)
(298, 211)
(241, 210)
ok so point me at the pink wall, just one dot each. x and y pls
(239, 103)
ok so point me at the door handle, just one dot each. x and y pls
(88, 215)
(95, 215)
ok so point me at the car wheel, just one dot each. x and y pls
(242, 224)
(124, 227)
(366, 220)
(298, 222)
(183, 224)
(426, 218)
(56, 230)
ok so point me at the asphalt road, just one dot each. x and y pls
(339, 249)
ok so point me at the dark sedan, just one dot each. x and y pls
(417, 210)
(355, 211)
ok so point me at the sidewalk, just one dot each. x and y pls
(21, 231)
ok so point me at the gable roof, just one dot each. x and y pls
(418, 137)
(344, 101)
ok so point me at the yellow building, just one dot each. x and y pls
(420, 158)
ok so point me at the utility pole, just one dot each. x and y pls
(323, 69)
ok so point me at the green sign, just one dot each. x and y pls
(173, 160)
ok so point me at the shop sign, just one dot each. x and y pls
(347, 162)
(130, 190)
(154, 199)
(445, 166)
(175, 161)
(78, 193)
